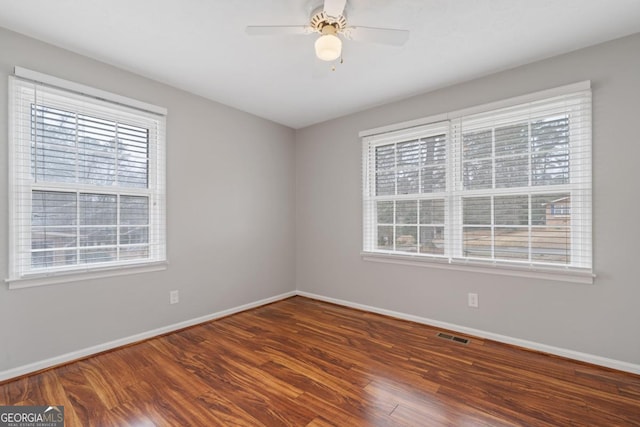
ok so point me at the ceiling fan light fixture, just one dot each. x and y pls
(328, 47)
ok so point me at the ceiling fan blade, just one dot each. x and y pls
(377, 35)
(334, 7)
(278, 30)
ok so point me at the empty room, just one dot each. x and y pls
(319, 213)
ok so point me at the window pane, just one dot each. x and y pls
(550, 152)
(134, 235)
(477, 210)
(95, 133)
(511, 210)
(512, 139)
(53, 163)
(511, 243)
(408, 154)
(385, 157)
(53, 220)
(407, 212)
(53, 237)
(134, 210)
(97, 255)
(54, 126)
(96, 167)
(407, 239)
(53, 258)
(551, 209)
(98, 236)
(476, 242)
(432, 211)
(96, 148)
(385, 212)
(551, 244)
(133, 156)
(98, 209)
(434, 150)
(478, 174)
(408, 182)
(551, 237)
(477, 145)
(134, 252)
(132, 171)
(551, 168)
(50, 208)
(434, 179)
(385, 183)
(385, 237)
(512, 172)
(53, 149)
(432, 240)
(550, 134)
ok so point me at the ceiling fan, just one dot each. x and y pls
(330, 22)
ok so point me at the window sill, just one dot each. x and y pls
(54, 278)
(564, 274)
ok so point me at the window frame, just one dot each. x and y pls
(581, 233)
(97, 104)
(418, 133)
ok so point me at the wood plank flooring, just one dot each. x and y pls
(301, 362)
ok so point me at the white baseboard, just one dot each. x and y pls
(79, 354)
(569, 354)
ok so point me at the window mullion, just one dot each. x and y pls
(118, 229)
(492, 197)
(395, 224)
(454, 182)
(116, 178)
(78, 228)
(418, 226)
(77, 151)
(395, 192)
(530, 229)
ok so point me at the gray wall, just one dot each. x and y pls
(234, 181)
(600, 319)
(230, 179)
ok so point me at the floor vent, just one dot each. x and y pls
(452, 338)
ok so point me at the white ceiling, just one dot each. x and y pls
(200, 45)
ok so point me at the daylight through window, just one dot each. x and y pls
(503, 187)
(88, 181)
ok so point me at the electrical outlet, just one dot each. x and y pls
(174, 297)
(472, 300)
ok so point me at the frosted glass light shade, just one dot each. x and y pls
(328, 47)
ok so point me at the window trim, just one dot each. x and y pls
(85, 90)
(526, 269)
(156, 191)
(561, 273)
(80, 274)
(483, 108)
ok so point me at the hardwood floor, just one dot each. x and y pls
(301, 362)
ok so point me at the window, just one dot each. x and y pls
(507, 187)
(409, 183)
(87, 180)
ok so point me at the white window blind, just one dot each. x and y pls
(406, 190)
(88, 183)
(508, 187)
